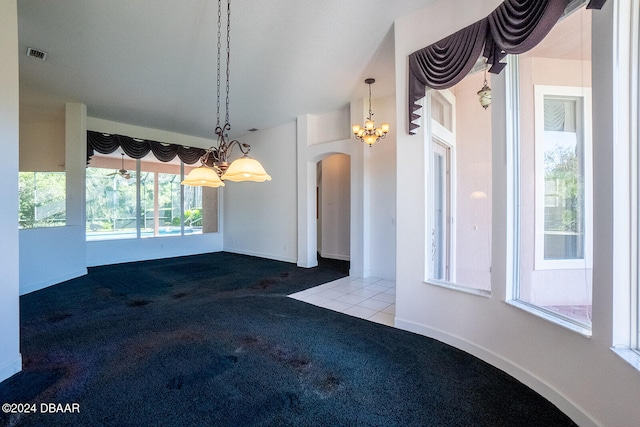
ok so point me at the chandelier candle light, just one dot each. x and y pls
(215, 167)
(369, 133)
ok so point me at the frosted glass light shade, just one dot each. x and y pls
(246, 169)
(202, 176)
(370, 139)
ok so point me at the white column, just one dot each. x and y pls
(10, 359)
(75, 162)
(307, 234)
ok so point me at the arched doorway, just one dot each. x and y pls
(333, 207)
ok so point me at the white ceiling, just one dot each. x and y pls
(152, 63)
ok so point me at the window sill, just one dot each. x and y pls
(628, 355)
(551, 317)
(464, 289)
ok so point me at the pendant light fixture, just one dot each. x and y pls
(369, 133)
(215, 167)
(485, 93)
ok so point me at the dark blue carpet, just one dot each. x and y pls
(213, 340)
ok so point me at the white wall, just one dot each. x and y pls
(581, 375)
(10, 359)
(382, 193)
(50, 255)
(42, 137)
(53, 255)
(129, 250)
(260, 217)
(372, 186)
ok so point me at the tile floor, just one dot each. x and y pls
(372, 299)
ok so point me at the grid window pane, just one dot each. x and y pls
(166, 208)
(42, 199)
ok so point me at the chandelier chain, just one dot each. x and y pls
(370, 113)
(218, 62)
(216, 165)
(228, 57)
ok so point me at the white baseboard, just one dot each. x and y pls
(573, 411)
(11, 368)
(261, 255)
(335, 256)
(32, 287)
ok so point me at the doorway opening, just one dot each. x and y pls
(333, 210)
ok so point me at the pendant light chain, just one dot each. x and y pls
(217, 166)
(370, 113)
(218, 59)
(228, 57)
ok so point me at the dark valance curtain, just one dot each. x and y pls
(514, 27)
(517, 26)
(138, 148)
(443, 64)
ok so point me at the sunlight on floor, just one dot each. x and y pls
(371, 298)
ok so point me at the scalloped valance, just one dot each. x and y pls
(514, 27)
(138, 148)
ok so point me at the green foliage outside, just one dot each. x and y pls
(112, 202)
(562, 169)
(193, 217)
(42, 199)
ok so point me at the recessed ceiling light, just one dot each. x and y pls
(35, 53)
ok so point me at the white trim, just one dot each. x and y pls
(633, 316)
(329, 255)
(32, 287)
(465, 289)
(552, 317)
(628, 355)
(584, 95)
(437, 133)
(577, 413)
(261, 255)
(512, 166)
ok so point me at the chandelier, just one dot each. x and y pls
(369, 133)
(215, 167)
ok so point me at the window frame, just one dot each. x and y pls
(438, 133)
(512, 83)
(634, 141)
(585, 128)
(139, 226)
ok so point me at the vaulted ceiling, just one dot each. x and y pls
(153, 62)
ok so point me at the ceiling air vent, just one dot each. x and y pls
(35, 53)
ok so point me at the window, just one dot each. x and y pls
(111, 199)
(563, 177)
(552, 164)
(459, 187)
(144, 200)
(42, 199)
